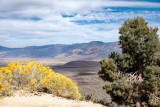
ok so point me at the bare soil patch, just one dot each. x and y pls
(42, 100)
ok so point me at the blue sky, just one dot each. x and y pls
(42, 22)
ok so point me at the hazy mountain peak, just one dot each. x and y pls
(85, 51)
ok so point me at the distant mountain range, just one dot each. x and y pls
(94, 50)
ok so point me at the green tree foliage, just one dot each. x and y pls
(134, 75)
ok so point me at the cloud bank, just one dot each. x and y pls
(41, 22)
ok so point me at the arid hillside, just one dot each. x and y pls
(95, 50)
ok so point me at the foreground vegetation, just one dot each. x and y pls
(134, 75)
(32, 76)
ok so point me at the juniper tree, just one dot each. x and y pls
(134, 75)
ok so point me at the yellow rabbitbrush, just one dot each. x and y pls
(33, 76)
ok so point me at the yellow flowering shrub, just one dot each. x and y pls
(33, 76)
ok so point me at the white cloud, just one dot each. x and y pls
(17, 30)
(44, 7)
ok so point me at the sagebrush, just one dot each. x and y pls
(32, 76)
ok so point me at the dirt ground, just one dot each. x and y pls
(42, 100)
(89, 83)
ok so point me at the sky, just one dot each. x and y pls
(42, 22)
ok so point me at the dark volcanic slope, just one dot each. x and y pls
(79, 64)
(83, 51)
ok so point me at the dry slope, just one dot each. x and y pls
(42, 100)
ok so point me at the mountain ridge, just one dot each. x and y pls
(78, 64)
(92, 42)
(79, 51)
